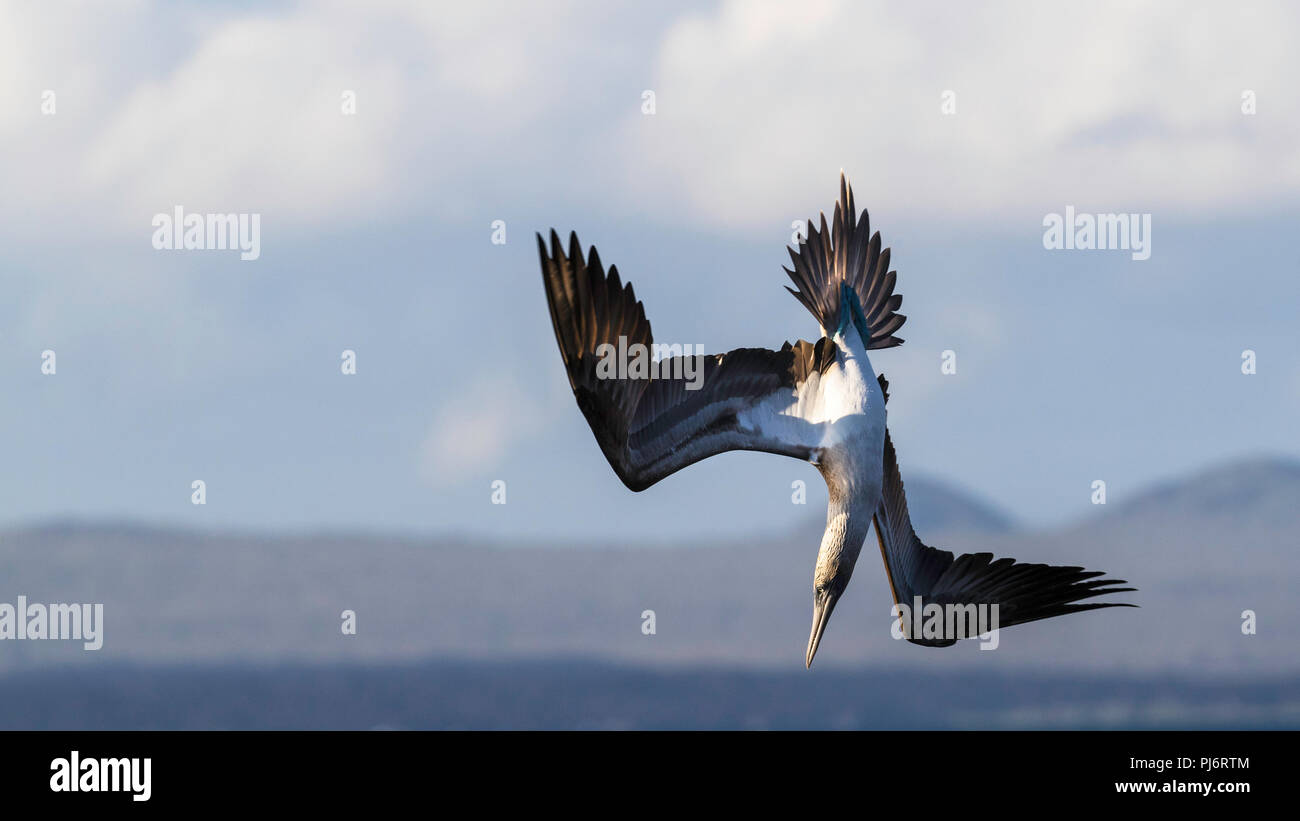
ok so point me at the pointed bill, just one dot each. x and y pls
(823, 604)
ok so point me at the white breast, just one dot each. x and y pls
(841, 406)
(850, 403)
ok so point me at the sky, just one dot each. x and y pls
(961, 128)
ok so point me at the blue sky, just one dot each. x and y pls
(376, 237)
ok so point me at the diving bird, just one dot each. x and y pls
(820, 402)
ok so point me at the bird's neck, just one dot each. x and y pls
(848, 521)
(851, 466)
(850, 342)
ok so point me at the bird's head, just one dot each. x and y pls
(829, 581)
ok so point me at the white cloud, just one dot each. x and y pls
(759, 105)
(1122, 106)
(252, 122)
(246, 115)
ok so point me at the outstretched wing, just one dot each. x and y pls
(847, 252)
(1022, 592)
(683, 409)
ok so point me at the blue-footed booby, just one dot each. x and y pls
(820, 402)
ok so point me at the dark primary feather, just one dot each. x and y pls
(1023, 592)
(847, 252)
(650, 428)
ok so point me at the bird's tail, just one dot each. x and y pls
(847, 252)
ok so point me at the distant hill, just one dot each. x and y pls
(1265, 489)
(179, 596)
(936, 506)
(938, 509)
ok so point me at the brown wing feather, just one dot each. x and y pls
(651, 427)
(1023, 592)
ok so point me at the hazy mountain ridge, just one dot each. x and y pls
(1267, 487)
(936, 505)
(184, 596)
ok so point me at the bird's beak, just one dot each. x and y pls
(823, 604)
